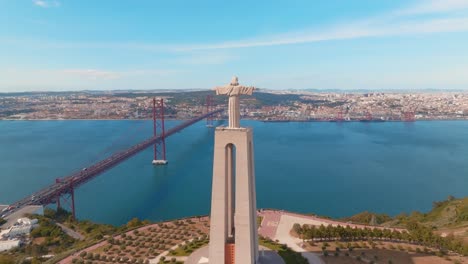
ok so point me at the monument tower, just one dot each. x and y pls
(233, 229)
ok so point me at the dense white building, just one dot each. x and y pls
(8, 244)
(9, 237)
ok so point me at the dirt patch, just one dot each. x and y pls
(461, 232)
(38, 240)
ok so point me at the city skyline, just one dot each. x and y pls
(59, 45)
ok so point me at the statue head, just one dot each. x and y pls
(234, 81)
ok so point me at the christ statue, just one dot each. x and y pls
(234, 90)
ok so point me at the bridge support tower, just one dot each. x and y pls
(209, 108)
(368, 116)
(159, 130)
(67, 198)
(408, 116)
(340, 117)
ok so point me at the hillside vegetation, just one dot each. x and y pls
(449, 213)
(452, 212)
(449, 216)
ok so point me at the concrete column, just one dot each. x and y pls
(246, 238)
(219, 216)
(230, 188)
(245, 218)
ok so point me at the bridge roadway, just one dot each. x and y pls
(64, 185)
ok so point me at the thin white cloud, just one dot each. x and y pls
(103, 75)
(433, 6)
(23, 79)
(358, 30)
(150, 72)
(40, 3)
(46, 3)
(93, 74)
(401, 22)
(451, 17)
(203, 58)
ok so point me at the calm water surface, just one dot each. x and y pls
(334, 169)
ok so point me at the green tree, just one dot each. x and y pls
(135, 222)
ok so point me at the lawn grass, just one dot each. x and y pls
(189, 248)
(288, 255)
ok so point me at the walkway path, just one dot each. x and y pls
(283, 236)
(166, 253)
(277, 225)
(69, 259)
(269, 223)
(70, 232)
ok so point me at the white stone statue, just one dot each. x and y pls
(234, 90)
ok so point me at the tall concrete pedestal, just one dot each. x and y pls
(233, 228)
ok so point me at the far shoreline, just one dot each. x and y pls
(265, 121)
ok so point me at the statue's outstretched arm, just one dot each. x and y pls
(221, 90)
(247, 90)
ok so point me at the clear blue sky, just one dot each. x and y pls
(150, 44)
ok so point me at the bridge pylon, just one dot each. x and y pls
(408, 116)
(67, 197)
(159, 130)
(368, 116)
(339, 117)
(209, 109)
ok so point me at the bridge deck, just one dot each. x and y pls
(49, 194)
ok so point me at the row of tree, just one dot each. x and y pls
(416, 233)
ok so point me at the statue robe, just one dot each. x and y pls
(234, 106)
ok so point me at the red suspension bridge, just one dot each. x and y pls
(62, 191)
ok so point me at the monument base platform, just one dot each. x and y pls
(267, 256)
(160, 162)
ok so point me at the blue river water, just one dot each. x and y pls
(334, 169)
